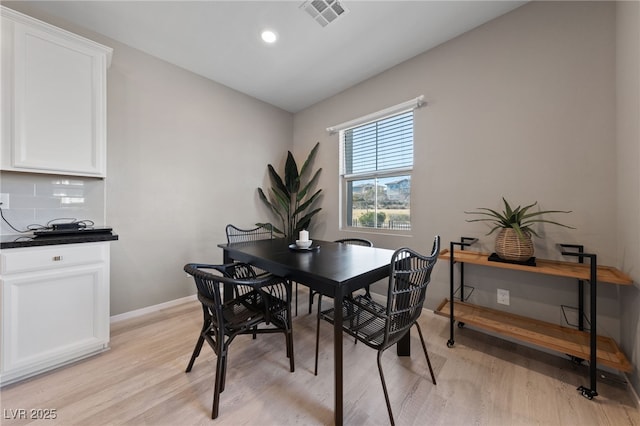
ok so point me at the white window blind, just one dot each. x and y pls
(379, 147)
(376, 163)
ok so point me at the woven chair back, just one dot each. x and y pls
(408, 281)
(207, 283)
(237, 235)
(355, 242)
(210, 285)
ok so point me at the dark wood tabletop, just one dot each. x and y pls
(330, 268)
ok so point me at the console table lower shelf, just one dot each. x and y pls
(540, 333)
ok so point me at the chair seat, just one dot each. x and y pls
(363, 317)
(255, 307)
(243, 313)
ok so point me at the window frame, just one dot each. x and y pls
(345, 179)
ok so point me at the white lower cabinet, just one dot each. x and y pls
(55, 306)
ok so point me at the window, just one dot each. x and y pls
(377, 161)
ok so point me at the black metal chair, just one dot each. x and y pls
(381, 326)
(263, 232)
(259, 305)
(353, 241)
(237, 235)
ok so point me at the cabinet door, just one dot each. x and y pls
(58, 113)
(53, 317)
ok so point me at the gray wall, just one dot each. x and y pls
(628, 144)
(522, 107)
(185, 156)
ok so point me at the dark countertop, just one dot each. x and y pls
(29, 240)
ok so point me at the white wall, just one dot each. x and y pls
(521, 107)
(628, 144)
(185, 156)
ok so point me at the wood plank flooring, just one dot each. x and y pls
(483, 380)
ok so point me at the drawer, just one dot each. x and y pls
(49, 257)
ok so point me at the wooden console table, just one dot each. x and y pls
(578, 343)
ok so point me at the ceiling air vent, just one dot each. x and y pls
(324, 12)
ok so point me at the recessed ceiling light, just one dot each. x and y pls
(269, 36)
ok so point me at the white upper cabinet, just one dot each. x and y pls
(53, 99)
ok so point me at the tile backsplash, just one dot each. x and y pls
(37, 199)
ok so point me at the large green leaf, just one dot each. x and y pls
(304, 190)
(307, 203)
(524, 217)
(281, 200)
(309, 159)
(291, 176)
(304, 222)
(529, 222)
(263, 197)
(508, 212)
(277, 180)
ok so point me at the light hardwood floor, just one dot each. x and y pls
(483, 380)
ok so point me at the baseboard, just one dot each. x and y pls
(154, 308)
(632, 390)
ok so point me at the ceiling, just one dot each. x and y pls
(220, 40)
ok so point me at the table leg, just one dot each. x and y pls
(227, 294)
(403, 347)
(337, 355)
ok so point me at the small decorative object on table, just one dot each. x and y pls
(513, 242)
(303, 243)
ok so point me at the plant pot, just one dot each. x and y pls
(509, 246)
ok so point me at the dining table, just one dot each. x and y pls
(332, 269)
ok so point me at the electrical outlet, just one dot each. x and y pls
(4, 201)
(503, 296)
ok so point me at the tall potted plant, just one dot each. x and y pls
(290, 198)
(514, 239)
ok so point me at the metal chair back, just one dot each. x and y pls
(237, 235)
(408, 280)
(355, 242)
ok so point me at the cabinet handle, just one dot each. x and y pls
(57, 258)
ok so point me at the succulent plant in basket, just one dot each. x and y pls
(514, 239)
